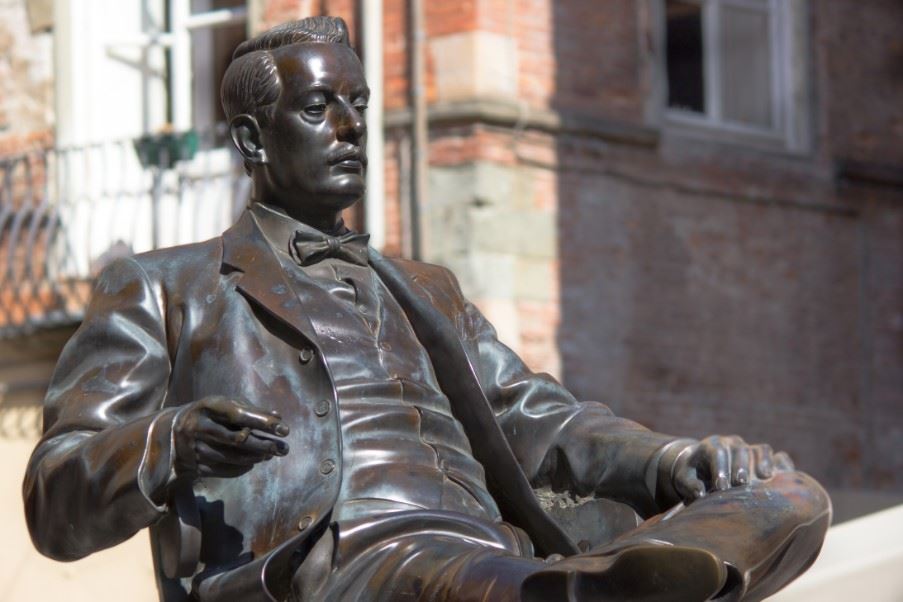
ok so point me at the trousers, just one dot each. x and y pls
(766, 534)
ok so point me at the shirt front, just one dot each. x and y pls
(402, 447)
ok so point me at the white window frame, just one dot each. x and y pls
(788, 27)
(178, 40)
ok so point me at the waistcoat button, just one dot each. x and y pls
(322, 408)
(305, 523)
(327, 466)
(305, 355)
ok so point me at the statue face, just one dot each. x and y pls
(315, 143)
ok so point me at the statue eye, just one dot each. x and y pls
(315, 109)
(361, 108)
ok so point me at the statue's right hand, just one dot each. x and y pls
(220, 437)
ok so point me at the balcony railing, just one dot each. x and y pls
(65, 213)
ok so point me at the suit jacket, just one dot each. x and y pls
(222, 318)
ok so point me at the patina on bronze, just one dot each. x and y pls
(295, 416)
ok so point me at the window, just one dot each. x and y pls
(216, 28)
(143, 159)
(734, 69)
(198, 37)
(157, 62)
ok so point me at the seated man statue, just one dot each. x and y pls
(296, 417)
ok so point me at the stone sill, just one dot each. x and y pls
(512, 115)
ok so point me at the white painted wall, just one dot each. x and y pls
(123, 572)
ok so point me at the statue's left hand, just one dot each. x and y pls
(718, 463)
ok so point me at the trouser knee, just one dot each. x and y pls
(802, 499)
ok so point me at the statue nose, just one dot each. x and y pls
(352, 126)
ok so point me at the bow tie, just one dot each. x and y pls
(308, 248)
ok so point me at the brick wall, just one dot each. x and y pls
(860, 53)
(705, 287)
(598, 64)
(711, 287)
(696, 286)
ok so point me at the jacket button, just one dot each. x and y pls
(327, 466)
(322, 408)
(305, 522)
(305, 355)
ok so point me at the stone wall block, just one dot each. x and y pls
(474, 64)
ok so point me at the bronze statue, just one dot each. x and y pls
(296, 417)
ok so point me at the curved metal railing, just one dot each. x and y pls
(67, 212)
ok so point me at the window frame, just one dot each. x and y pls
(789, 59)
(177, 40)
(183, 23)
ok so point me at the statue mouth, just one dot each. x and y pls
(351, 159)
(350, 165)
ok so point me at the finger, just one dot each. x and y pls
(688, 485)
(239, 415)
(783, 463)
(278, 446)
(764, 461)
(211, 453)
(720, 464)
(244, 439)
(740, 462)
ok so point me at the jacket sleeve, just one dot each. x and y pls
(106, 444)
(581, 447)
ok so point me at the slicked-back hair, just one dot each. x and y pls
(251, 83)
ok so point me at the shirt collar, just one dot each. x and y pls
(279, 228)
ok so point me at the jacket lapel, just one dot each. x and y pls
(262, 278)
(459, 381)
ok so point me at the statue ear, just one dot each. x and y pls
(246, 136)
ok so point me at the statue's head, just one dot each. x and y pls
(295, 98)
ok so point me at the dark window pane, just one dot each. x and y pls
(211, 53)
(684, 56)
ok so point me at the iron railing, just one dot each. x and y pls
(67, 212)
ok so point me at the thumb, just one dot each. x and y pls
(688, 485)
